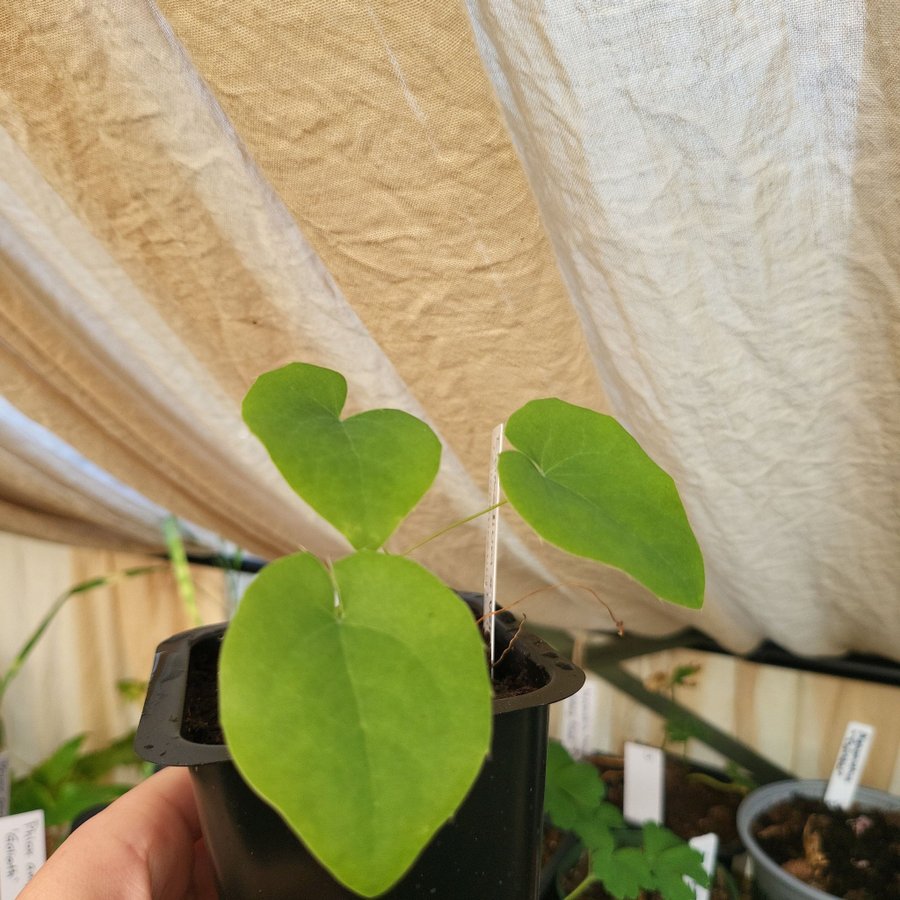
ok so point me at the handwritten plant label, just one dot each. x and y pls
(849, 766)
(645, 776)
(708, 845)
(22, 851)
(579, 714)
(4, 783)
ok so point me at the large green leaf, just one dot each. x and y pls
(380, 715)
(584, 484)
(363, 474)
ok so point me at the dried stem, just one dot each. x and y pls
(619, 624)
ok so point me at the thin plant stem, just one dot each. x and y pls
(590, 879)
(620, 625)
(25, 651)
(181, 570)
(451, 526)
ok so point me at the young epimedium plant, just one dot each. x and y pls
(627, 861)
(355, 695)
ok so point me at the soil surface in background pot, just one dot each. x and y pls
(695, 804)
(853, 854)
(514, 674)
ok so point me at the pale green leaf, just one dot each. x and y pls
(380, 715)
(624, 873)
(584, 484)
(573, 790)
(362, 474)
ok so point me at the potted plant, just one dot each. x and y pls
(611, 858)
(804, 849)
(354, 694)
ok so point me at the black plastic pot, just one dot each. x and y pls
(490, 849)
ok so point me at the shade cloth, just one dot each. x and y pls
(682, 213)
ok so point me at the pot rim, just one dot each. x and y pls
(159, 740)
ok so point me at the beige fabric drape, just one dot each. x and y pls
(68, 684)
(722, 192)
(681, 212)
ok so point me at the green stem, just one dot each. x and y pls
(181, 569)
(29, 645)
(453, 525)
(590, 879)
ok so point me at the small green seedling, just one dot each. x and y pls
(626, 861)
(354, 693)
(680, 726)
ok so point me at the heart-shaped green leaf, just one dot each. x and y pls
(379, 719)
(584, 484)
(363, 474)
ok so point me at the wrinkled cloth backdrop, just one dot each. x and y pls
(684, 213)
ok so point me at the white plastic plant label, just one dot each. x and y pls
(708, 845)
(849, 766)
(22, 851)
(645, 775)
(5, 779)
(579, 715)
(491, 545)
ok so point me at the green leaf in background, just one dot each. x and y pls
(572, 790)
(624, 873)
(67, 782)
(97, 763)
(381, 708)
(363, 474)
(75, 797)
(61, 763)
(584, 484)
(670, 860)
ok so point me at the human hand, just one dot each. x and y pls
(144, 846)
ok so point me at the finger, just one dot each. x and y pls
(140, 848)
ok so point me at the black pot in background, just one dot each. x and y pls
(490, 849)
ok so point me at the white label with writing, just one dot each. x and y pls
(645, 774)
(22, 851)
(708, 845)
(579, 713)
(848, 768)
(5, 779)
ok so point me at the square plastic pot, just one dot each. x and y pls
(491, 847)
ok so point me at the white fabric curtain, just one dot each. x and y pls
(683, 213)
(720, 188)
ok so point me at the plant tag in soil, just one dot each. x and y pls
(22, 851)
(645, 774)
(849, 766)
(708, 845)
(579, 715)
(4, 783)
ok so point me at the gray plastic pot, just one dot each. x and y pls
(771, 879)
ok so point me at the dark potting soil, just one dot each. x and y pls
(853, 854)
(513, 676)
(695, 802)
